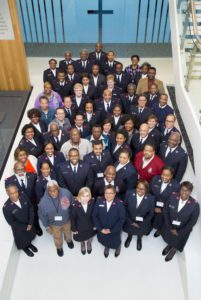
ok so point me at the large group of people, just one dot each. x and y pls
(101, 155)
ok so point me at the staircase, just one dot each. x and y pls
(190, 12)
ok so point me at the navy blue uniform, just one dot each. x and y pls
(185, 219)
(74, 78)
(79, 67)
(165, 136)
(106, 69)
(101, 108)
(40, 134)
(128, 174)
(75, 181)
(91, 93)
(142, 116)
(112, 219)
(155, 134)
(95, 119)
(152, 99)
(19, 218)
(48, 75)
(63, 89)
(70, 114)
(137, 146)
(81, 221)
(98, 60)
(116, 126)
(100, 81)
(64, 63)
(58, 158)
(142, 215)
(41, 184)
(115, 155)
(86, 130)
(128, 101)
(123, 82)
(116, 92)
(177, 160)
(98, 166)
(161, 112)
(99, 186)
(57, 145)
(80, 108)
(35, 150)
(161, 198)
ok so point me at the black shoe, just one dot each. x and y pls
(139, 244)
(117, 252)
(170, 254)
(127, 242)
(157, 233)
(83, 251)
(70, 244)
(106, 252)
(60, 252)
(39, 231)
(89, 249)
(28, 252)
(33, 248)
(166, 250)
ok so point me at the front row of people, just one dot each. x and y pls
(170, 209)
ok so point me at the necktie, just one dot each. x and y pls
(84, 64)
(141, 140)
(166, 131)
(57, 140)
(140, 111)
(168, 154)
(110, 65)
(68, 111)
(99, 158)
(74, 170)
(108, 107)
(23, 185)
(130, 99)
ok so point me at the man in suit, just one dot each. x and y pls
(141, 110)
(98, 159)
(122, 79)
(109, 178)
(70, 110)
(83, 127)
(61, 85)
(91, 116)
(181, 213)
(167, 128)
(50, 74)
(97, 79)
(145, 83)
(129, 99)
(74, 174)
(96, 135)
(108, 67)
(56, 136)
(106, 105)
(162, 109)
(154, 132)
(89, 90)
(140, 139)
(25, 183)
(153, 95)
(147, 163)
(66, 61)
(71, 76)
(19, 214)
(174, 155)
(98, 56)
(83, 65)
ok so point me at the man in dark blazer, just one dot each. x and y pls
(152, 95)
(98, 159)
(71, 76)
(66, 61)
(140, 139)
(56, 136)
(19, 214)
(162, 109)
(108, 67)
(181, 214)
(98, 56)
(122, 79)
(74, 174)
(84, 128)
(70, 109)
(141, 110)
(174, 155)
(154, 131)
(106, 105)
(83, 65)
(129, 99)
(97, 80)
(50, 74)
(25, 183)
(61, 85)
(167, 128)
(109, 178)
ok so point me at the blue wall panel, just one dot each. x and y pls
(68, 21)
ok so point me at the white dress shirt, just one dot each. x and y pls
(33, 142)
(116, 148)
(19, 178)
(116, 120)
(108, 205)
(78, 100)
(139, 199)
(181, 204)
(146, 162)
(107, 183)
(54, 72)
(169, 149)
(48, 178)
(106, 104)
(18, 203)
(86, 87)
(95, 78)
(51, 158)
(84, 206)
(120, 166)
(74, 167)
(89, 116)
(37, 126)
(163, 186)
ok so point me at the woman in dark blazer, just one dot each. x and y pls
(162, 186)
(139, 212)
(46, 174)
(81, 219)
(34, 116)
(109, 218)
(30, 141)
(54, 158)
(119, 143)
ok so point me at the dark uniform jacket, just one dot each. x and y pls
(58, 158)
(128, 174)
(35, 150)
(41, 184)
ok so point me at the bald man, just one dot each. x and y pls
(109, 178)
(140, 139)
(174, 155)
(98, 56)
(83, 65)
(66, 61)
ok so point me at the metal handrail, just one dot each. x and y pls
(195, 28)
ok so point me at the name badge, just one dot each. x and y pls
(140, 219)
(160, 204)
(177, 223)
(101, 205)
(58, 218)
(100, 175)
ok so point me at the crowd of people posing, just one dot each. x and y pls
(101, 155)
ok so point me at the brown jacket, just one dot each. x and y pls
(142, 86)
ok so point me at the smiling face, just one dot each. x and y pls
(49, 150)
(74, 157)
(141, 189)
(22, 157)
(120, 139)
(45, 169)
(166, 176)
(148, 152)
(84, 198)
(184, 193)
(98, 149)
(29, 133)
(19, 169)
(173, 140)
(124, 158)
(53, 191)
(13, 193)
(109, 194)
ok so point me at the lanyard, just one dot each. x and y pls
(56, 207)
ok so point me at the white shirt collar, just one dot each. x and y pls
(146, 162)
(107, 183)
